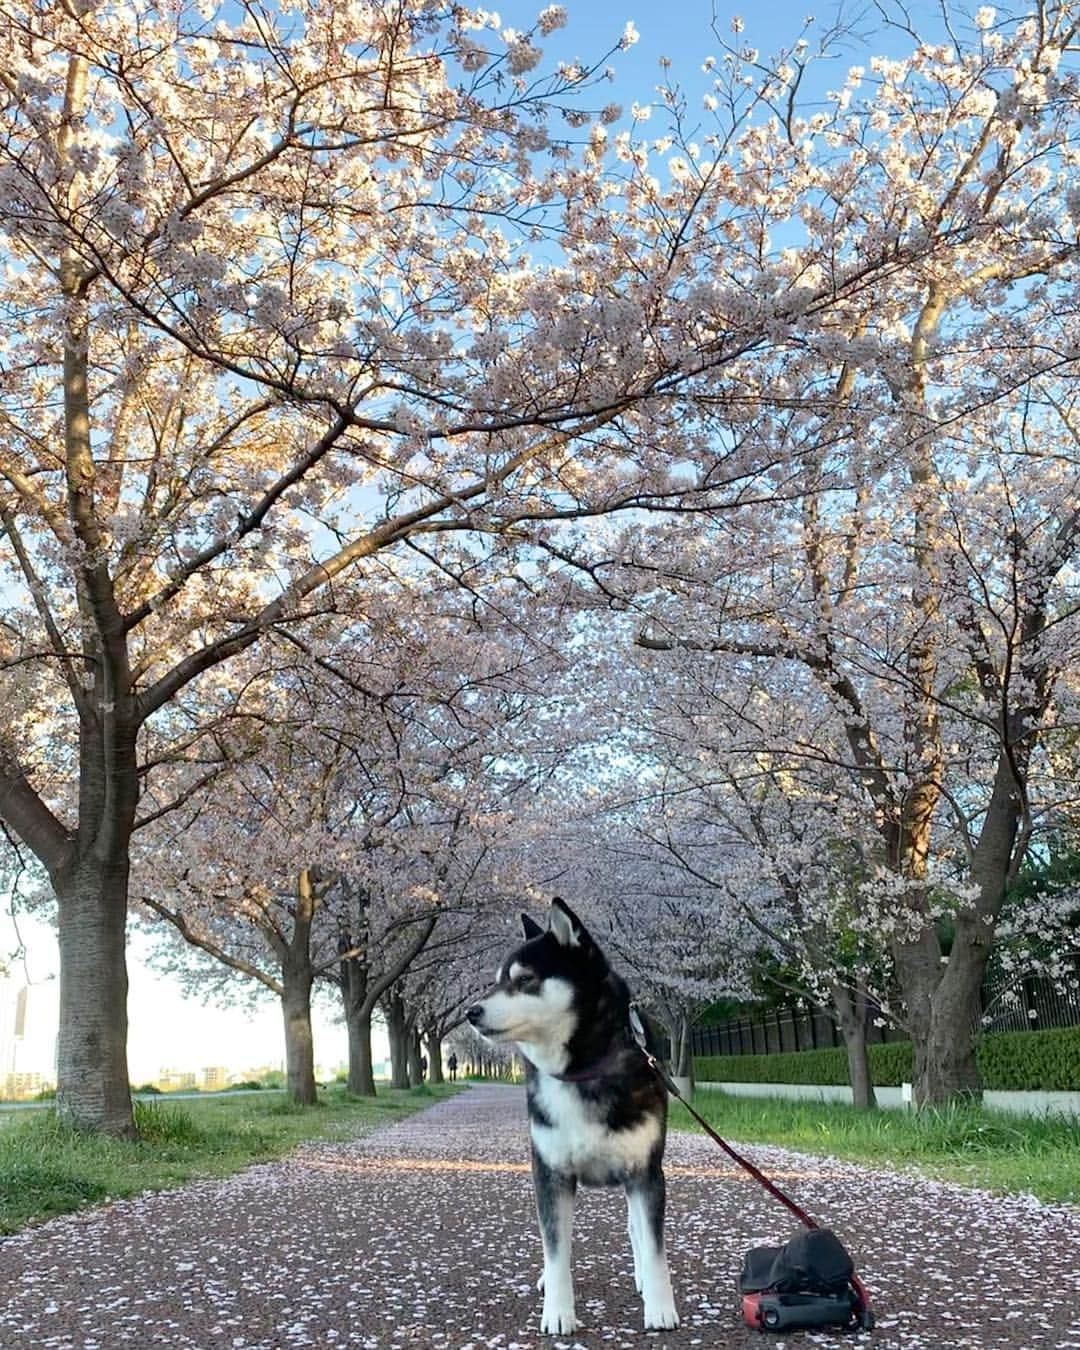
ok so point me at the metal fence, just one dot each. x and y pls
(1033, 1003)
(1030, 1004)
(776, 1030)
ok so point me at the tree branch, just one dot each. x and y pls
(207, 945)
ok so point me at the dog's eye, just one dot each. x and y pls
(528, 984)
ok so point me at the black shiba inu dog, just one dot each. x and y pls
(597, 1112)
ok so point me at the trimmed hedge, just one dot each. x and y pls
(1047, 1061)
(1025, 1061)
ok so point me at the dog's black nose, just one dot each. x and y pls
(475, 1014)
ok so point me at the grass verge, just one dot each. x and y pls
(48, 1168)
(1011, 1154)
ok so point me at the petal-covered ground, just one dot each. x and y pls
(423, 1234)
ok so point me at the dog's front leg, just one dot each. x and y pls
(646, 1198)
(555, 1193)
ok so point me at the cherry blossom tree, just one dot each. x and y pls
(249, 884)
(453, 971)
(384, 773)
(260, 261)
(786, 849)
(587, 837)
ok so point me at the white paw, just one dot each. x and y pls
(558, 1322)
(661, 1317)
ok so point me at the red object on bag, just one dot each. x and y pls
(751, 1310)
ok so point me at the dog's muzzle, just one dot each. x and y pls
(477, 1019)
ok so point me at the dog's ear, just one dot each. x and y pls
(530, 928)
(567, 928)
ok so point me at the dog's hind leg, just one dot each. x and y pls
(646, 1196)
(555, 1193)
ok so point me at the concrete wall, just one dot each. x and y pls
(1022, 1103)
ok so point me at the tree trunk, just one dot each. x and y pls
(434, 1051)
(361, 990)
(946, 1070)
(361, 1079)
(863, 1097)
(297, 979)
(92, 1077)
(416, 1069)
(299, 1043)
(943, 1007)
(852, 1011)
(353, 981)
(682, 1055)
(397, 1033)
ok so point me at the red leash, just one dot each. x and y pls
(745, 1163)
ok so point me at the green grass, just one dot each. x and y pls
(48, 1168)
(1039, 1155)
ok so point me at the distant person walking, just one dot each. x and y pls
(451, 1064)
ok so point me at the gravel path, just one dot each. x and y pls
(423, 1234)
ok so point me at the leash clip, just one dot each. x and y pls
(637, 1030)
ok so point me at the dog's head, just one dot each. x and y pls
(538, 988)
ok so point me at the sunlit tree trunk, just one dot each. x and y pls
(297, 979)
(92, 1075)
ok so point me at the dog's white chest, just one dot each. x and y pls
(578, 1141)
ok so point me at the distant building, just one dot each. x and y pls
(14, 1086)
(214, 1079)
(174, 1080)
(27, 1038)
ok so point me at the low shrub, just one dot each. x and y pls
(828, 1067)
(1047, 1061)
(159, 1124)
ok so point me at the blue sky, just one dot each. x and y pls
(682, 31)
(678, 29)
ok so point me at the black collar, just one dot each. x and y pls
(609, 1058)
(597, 1069)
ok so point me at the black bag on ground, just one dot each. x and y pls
(815, 1261)
(805, 1283)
